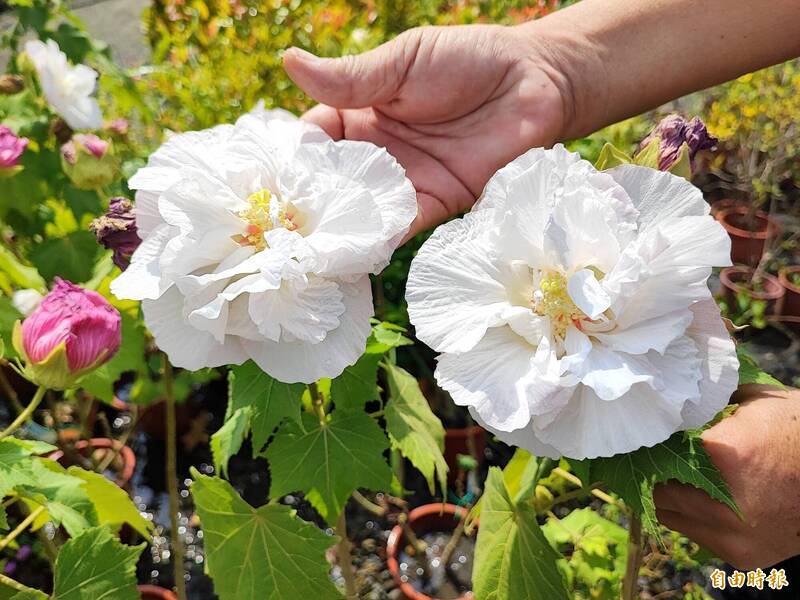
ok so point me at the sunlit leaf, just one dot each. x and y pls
(357, 384)
(413, 428)
(513, 559)
(266, 552)
(328, 460)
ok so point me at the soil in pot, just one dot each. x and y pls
(765, 287)
(748, 231)
(432, 578)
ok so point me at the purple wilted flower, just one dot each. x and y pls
(116, 230)
(672, 132)
(11, 148)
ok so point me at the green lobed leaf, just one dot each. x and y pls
(95, 565)
(16, 457)
(513, 559)
(358, 384)
(386, 336)
(270, 401)
(22, 276)
(413, 428)
(328, 460)
(111, 503)
(634, 475)
(265, 552)
(750, 372)
(227, 441)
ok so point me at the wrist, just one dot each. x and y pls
(558, 47)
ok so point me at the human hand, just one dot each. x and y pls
(452, 104)
(757, 450)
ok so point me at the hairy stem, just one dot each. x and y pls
(317, 402)
(21, 527)
(16, 585)
(629, 582)
(345, 559)
(25, 415)
(172, 483)
(368, 504)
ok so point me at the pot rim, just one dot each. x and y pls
(771, 280)
(125, 453)
(772, 226)
(396, 537)
(155, 590)
(783, 278)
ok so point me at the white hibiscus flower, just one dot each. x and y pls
(258, 239)
(571, 307)
(68, 88)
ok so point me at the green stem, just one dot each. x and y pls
(317, 401)
(21, 527)
(25, 415)
(172, 483)
(630, 581)
(16, 585)
(345, 558)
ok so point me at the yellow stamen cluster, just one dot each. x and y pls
(259, 219)
(552, 300)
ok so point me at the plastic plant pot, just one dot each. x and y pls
(123, 471)
(424, 519)
(153, 592)
(791, 299)
(748, 233)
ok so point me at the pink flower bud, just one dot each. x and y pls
(119, 126)
(72, 332)
(88, 161)
(11, 148)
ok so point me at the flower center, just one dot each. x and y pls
(264, 212)
(551, 299)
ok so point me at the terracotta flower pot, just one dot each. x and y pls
(736, 279)
(153, 592)
(791, 300)
(748, 233)
(724, 204)
(426, 518)
(123, 466)
(456, 441)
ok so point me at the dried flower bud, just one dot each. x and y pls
(88, 161)
(72, 332)
(116, 230)
(11, 84)
(674, 131)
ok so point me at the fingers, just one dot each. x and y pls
(367, 79)
(328, 118)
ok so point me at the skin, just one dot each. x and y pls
(454, 104)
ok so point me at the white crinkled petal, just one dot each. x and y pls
(357, 204)
(653, 334)
(589, 427)
(456, 287)
(293, 362)
(186, 346)
(499, 379)
(720, 366)
(143, 277)
(587, 293)
(659, 195)
(305, 310)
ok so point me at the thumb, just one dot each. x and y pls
(367, 79)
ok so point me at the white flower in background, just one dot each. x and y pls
(68, 88)
(26, 301)
(257, 241)
(571, 307)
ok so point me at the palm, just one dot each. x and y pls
(466, 104)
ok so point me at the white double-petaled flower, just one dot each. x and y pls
(258, 239)
(571, 307)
